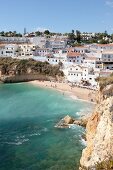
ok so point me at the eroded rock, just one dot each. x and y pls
(99, 134)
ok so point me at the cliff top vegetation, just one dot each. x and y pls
(104, 81)
(10, 66)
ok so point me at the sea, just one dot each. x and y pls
(28, 138)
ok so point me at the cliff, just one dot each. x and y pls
(15, 70)
(99, 133)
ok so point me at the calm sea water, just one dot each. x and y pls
(28, 139)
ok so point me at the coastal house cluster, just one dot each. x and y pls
(81, 64)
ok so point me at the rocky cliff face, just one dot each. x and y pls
(99, 132)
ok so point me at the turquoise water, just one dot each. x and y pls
(28, 139)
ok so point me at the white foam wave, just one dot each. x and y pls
(18, 141)
(20, 137)
(25, 140)
(50, 120)
(13, 143)
(72, 126)
(73, 97)
(45, 130)
(35, 134)
(84, 112)
(83, 142)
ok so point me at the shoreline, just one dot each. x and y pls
(77, 93)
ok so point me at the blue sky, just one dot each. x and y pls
(57, 15)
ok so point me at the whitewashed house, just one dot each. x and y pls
(75, 74)
(107, 60)
(78, 74)
(8, 50)
(74, 58)
(26, 50)
(90, 62)
(101, 47)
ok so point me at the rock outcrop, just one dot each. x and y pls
(81, 122)
(99, 132)
(67, 121)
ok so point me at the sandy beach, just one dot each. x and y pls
(74, 92)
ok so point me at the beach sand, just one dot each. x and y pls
(74, 92)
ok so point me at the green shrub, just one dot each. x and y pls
(105, 165)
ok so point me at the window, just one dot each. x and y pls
(70, 60)
(90, 78)
(56, 60)
(73, 60)
(108, 56)
(77, 74)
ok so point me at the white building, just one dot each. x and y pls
(25, 50)
(9, 50)
(14, 40)
(87, 36)
(101, 47)
(74, 58)
(77, 74)
(107, 59)
(42, 51)
(39, 41)
(90, 62)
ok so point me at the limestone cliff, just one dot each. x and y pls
(99, 132)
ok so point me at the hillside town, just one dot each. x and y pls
(81, 63)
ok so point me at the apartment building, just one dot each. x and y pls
(9, 50)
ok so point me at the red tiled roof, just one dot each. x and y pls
(91, 58)
(73, 54)
(104, 45)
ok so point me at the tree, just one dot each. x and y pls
(78, 36)
(105, 33)
(2, 33)
(60, 64)
(71, 38)
(73, 31)
(38, 33)
(46, 32)
(112, 37)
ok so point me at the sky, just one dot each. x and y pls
(56, 15)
